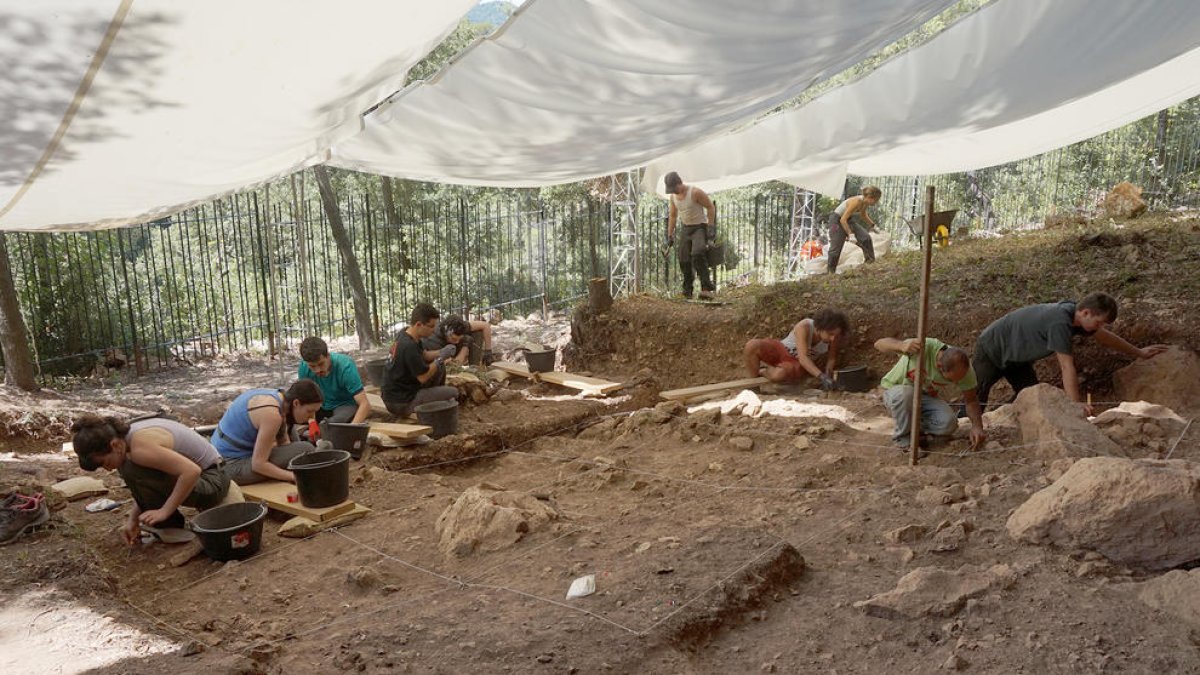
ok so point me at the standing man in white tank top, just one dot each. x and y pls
(697, 216)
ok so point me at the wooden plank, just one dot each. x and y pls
(580, 382)
(377, 406)
(513, 368)
(394, 430)
(274, 494)
(692, 392)
(589, 385)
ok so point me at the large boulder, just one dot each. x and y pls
(933, 591)
(1177, 593)
(1054, 426)
(1142, 513)
(1124, 201)
(1140, 425)
(490, 518)
(1171, 379)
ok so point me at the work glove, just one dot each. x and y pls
(827, 383)
(448, 352)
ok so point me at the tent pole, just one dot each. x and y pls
(922, 326)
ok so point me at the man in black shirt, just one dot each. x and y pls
(1009, 347)
(408, 379)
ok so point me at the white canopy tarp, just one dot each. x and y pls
(190, 100)
(573, 89)
(1017, 78)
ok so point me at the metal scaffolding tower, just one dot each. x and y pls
(622, 233)
(804, 228)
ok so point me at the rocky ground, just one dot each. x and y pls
(770, 532)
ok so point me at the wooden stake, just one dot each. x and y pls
(922, 326)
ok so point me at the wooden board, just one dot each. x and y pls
(692, 392)
(377, 406)
(274, 494)
(393, 430)
(588, 385)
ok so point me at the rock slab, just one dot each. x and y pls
(1141, 513)
(1055, 426)
(934, 591)
(489, 518)
(1177, 593)
(1171, 379)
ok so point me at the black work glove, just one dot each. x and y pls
(447, 352)
(827, 383)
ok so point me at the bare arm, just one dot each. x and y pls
(909, 346)
(364, 407)
(1118, 344)
(831, 359)
(1070, 378)
(710, 208)
(672, 214)
(975, 414)
(268, 421)
(153, 448)
(801, 333)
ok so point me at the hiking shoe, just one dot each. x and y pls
(706, 295)
(19, 514)
(169, 535)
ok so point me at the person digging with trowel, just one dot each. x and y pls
(946, 370)
(784, 361)
(164, 464)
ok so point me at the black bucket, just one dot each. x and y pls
(540, 362)
(854, 378)
(349, 437)
(375, 371)
(441, 415)
(232, 531)
(322, 477)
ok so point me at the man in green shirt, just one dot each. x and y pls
(945, 368)
(338, 378)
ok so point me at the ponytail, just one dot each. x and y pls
(92, 437)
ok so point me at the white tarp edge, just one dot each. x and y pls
(193, 99)
(573, 89)
(1018, 78)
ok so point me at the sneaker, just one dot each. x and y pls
(19, 514)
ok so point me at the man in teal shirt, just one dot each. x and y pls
(338, 378)
(945, 368)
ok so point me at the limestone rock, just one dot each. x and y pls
(951, 537)
(488, 518)
(1171, 379)
(743, 443)
(933, 591)
(1057, 426)
(908, 533)
(1124, 201)
(1003, 417)
(1141, 513)
(672, 408)
(1177, 593)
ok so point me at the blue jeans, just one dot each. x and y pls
(937, 417)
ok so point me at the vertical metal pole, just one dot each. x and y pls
(133, 327)
(922, 325)
(542, 263)
(462, 255)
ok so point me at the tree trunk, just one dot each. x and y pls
(358, 291)
(18, 361)
(393, 219)
(599, 296)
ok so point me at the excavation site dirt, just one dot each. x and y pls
(774, 529)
